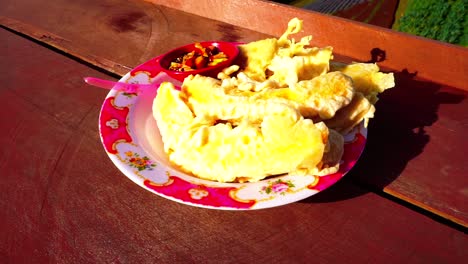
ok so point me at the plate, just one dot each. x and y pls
(132, 141)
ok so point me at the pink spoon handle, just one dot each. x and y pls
(120, 86)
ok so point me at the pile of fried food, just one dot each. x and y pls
(282, 110)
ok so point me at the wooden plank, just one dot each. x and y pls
(379, 13)
(416, 147)
(432, 60)
(63, 201)
(143, 30)
(63, 45)
(417, 161)
(107, 32)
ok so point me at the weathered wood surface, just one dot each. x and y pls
(140, 30)
(417, 140)
(63, 201)
(432, 60)
(416, 148)
(378, 13)
(125, 32)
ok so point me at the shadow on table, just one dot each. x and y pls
(396, 135)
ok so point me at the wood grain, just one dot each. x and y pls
(378, 13)
(63, 45)
(63, 201)
(416, 147)
(432, 60)
(115, 33)
(420, 125)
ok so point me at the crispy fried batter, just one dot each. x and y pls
(283, 109)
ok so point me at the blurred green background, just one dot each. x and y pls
(443, 20)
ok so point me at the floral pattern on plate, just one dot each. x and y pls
(279, 186)
(199, 194)
(131, 139)
(136, 161)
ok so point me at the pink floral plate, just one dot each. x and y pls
(131, 139)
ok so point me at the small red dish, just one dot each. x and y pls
(230, 49)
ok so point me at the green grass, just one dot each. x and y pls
(446, 21)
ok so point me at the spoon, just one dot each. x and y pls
(119, 86)
(131, 87)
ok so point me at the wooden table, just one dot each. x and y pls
(63, 201)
